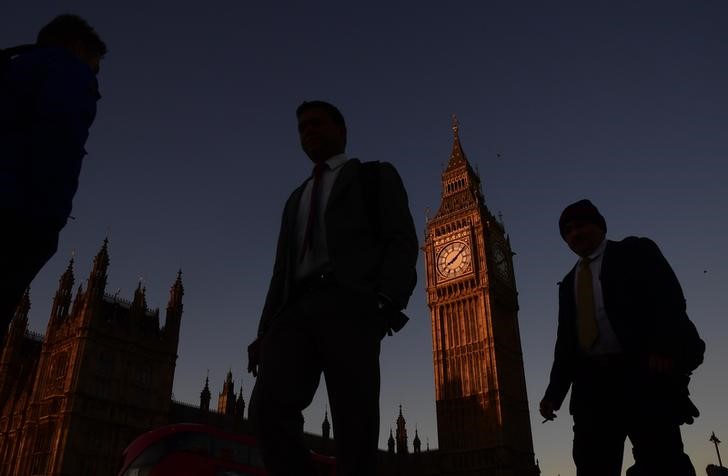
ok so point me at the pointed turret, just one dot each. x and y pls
(139, 304)
(416, 443)
(226, 399)
(460, 184)
(77, 301)
(390, 442)
(63, 297)
(11, 357)
(23, 308)
(240, 406)
(176, 293)
(205, 395)
(97, 279)
(173, 318)
(326, 426)
(402, 447)
(19, 323)
(457, 154)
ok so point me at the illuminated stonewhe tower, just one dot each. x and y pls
(482, 409)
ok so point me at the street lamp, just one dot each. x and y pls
(714, 439)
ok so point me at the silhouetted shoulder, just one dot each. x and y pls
(637, 244)
(389, 175)
(388, 167)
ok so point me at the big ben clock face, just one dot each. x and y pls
(454, 259)
(502, 263)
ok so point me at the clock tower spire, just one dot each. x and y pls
(482, 407)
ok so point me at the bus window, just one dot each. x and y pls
(146, 461)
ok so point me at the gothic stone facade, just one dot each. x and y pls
(483, 421)
(70, 401)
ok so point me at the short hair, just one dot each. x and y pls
(582, 210)
(332, 111)
(67, 27)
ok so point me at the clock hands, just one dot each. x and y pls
(455, 257)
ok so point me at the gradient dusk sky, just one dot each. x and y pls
(195, 150)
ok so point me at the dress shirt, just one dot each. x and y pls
(316, 258)
(606, 342)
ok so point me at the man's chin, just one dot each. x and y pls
(580, 249)
(317, 155)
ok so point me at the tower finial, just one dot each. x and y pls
(97, 278)
(455, 126)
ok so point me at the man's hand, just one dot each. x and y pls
(393, 319)
(254, 356)
(661, 364)
(546, 408)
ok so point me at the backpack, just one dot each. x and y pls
(7, 54)
(369, 177)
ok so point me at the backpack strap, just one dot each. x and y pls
(8, 53)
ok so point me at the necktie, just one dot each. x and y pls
(318, 171)
(587, 322)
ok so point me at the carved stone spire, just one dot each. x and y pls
(240, 405)
(402, 447)
(460, 184)
(205, 395)
(64, 295)
(226, 399)
(416, 443)
(19, 323)
(176, 293)
(21, 311)
(97, 278)
(173, 318)
(457, 155)
(390, 442)
(326, 426)
(139, 304)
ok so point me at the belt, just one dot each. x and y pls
(314, 282)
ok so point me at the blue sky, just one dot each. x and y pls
(195, 150)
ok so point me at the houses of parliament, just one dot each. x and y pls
(102, 374)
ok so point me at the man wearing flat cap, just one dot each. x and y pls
(626, 348)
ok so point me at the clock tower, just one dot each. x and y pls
(483, 420)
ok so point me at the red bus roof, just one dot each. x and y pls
(145, 440)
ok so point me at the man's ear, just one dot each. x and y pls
(79, 49)
(75, 47)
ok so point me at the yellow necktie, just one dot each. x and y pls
(586, 320)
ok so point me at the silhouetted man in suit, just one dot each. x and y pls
(626, 347)
(48, 94)
(344, 268)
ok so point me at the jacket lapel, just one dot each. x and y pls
(349, 172)
(289, 232)
(605, 274)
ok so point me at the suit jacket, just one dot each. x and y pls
(47, 104)
(364, 260)
(646, 308)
